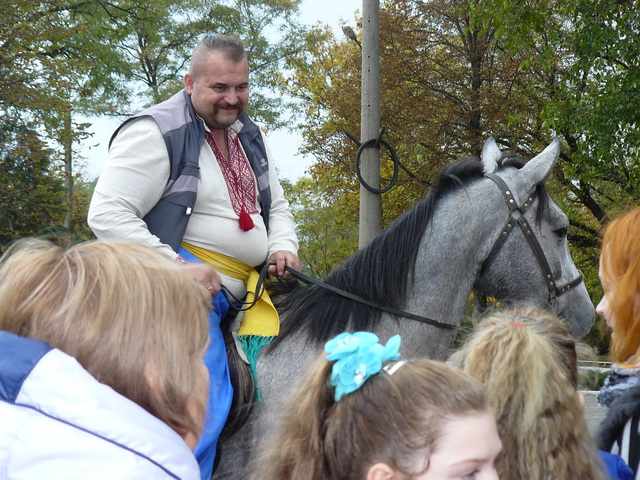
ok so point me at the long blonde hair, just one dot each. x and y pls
(127, 314)
(391, 418)
(526, 358)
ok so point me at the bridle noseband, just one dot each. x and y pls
(516, 216)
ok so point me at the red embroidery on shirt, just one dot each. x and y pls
(238, 176)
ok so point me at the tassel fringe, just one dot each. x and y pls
(245, 221)
(252, 345)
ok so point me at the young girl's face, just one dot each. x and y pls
(467, 450)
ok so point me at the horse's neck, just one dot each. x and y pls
(449, 259)
(441, 289)
(448, 262)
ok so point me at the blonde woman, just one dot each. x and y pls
(101, 370)
(526, 358)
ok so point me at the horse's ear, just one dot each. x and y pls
(490, 155)
(539, 167)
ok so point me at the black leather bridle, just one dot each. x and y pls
(516, 216)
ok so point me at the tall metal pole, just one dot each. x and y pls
(67, 141)
(370, 203)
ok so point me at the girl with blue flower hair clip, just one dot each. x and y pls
(356, 357)
(362, 413)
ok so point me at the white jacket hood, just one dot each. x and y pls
(58, 422)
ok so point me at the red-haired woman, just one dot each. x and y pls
(620, 306)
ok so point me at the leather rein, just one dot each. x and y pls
(516, 216)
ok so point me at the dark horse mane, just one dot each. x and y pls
(367, 274)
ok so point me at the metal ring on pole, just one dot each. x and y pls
(376, 142)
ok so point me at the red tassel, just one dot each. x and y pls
(245, 221)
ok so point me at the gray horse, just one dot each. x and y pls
(487, 224)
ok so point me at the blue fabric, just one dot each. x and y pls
(220, 389)
(616, 467)
(18, 356)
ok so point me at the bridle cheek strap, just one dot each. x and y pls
(516, 216)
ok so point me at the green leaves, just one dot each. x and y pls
(60, 58)
(453, 73)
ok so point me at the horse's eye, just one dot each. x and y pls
(561, 232)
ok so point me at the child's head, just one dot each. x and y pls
(527, 360)
(355, 418)
(133, 318)
(620, 277)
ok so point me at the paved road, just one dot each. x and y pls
(593, 413)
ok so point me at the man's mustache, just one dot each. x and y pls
(237, 105)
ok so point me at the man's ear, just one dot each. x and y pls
(380, 471)
(580, 400)
(188, 83)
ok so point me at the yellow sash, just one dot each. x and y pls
(262, 319)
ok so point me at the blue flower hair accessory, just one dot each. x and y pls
(358, 356)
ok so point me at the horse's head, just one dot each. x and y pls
(528, 259)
